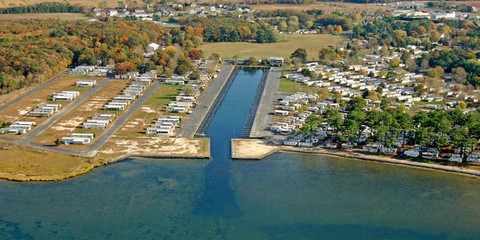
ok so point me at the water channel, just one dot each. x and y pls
(286, 196)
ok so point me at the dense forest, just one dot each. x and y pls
(223, 29)
(43, 8)
(33, 50)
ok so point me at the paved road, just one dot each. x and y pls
(33, 90)
(121, 120)
(192, 123)
(265, 107)
(52, 119)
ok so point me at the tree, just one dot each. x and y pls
(252, 61)
(282, 26)
(188, 90)
(339, 29)
(460, 75)
(57, 142)
(300, 53)
(394, 63)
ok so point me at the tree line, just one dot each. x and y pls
(43, 8)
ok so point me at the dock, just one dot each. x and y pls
(263, 116)
(194, 121)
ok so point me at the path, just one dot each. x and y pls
(193, 121)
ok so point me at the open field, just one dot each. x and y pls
(23, 162)
(290, 86)
(61, 16)
(87, 3)
(325, 6)
(311, 42)
(71, 121)
(19, 110)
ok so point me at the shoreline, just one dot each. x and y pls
(86, 168)
(271, 149)
(242, 149)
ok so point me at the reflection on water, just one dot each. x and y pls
(286, 196)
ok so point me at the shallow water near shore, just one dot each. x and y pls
(285, 196)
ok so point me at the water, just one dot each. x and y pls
(286, 196)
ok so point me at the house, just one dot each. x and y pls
(430, 153)
(474, 158)
(78, 138)
(86, 83)
(456, 158)
(165, 125)
(152, 47)
(414, 152)
(276, 61)
(65, 96)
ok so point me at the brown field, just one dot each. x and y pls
(72, 121)
(19, 110)
(61, 16)
(21, 162)
(311, 42)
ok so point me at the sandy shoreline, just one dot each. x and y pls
(242, 149)
(262, 150)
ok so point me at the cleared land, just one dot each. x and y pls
(311, 42)
(290, 86)
(72, 121)
(61, 16)
(19, 110)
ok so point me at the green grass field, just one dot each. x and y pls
(312, 43)
(290, 86)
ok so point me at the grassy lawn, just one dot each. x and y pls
(61, 16)
(311, 42)
(293, 87)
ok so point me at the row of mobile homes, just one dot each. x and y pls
(18, 127)
(65, 96)
(164, 125)
(81, 70)
(45, 110)
(99, 121)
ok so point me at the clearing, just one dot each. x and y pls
(20, 110)
(311, 42)
(72, 121)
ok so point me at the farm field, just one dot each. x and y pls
(19, 110)
(72, 120)
(61, 16)
(311, 42)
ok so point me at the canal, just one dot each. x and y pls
(286, 196)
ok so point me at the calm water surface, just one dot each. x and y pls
(286, 196)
